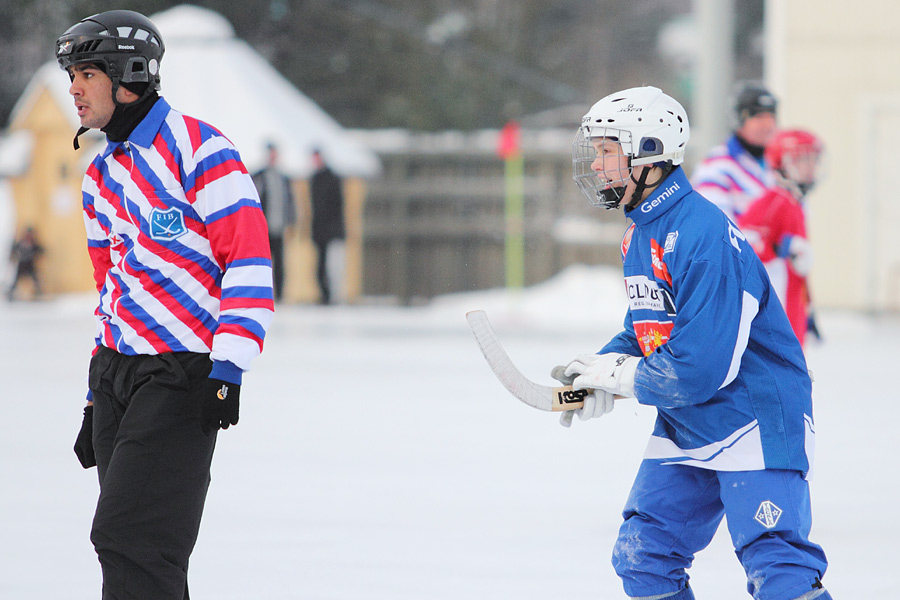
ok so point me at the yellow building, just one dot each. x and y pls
(835, 66)
(44, 172)
(45, 179)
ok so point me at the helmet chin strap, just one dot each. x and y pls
(83, 130)
(641, 185)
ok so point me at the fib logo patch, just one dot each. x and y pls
(167, 225)
(768, 514)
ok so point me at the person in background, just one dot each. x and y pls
(24, 254)
(180, 253)
(706, 342)
(775, 224)
(735, 173)
(328, 232)
(277, 198)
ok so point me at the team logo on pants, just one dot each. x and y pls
(768, 514)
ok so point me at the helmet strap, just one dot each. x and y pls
(638, 194)
(81, 130)
(641, 184)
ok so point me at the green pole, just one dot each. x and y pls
(515, 221)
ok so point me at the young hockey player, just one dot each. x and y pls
(181, 261)
(707, 343)
(735, 173)
(775, 225)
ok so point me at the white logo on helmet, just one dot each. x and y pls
(153, 66)
(125, 47)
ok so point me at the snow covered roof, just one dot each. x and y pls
(51, 77)
(15, 153)
(210, 74)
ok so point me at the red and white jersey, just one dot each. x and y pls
(769, 224)
(178, 243)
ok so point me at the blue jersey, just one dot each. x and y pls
(720, 361)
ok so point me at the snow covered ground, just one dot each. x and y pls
(377, 458)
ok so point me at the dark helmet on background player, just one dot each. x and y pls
(652, 129)
(796, 156)
(750, 99)
(125, 44)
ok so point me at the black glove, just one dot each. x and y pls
(84, 445)
(219, 402)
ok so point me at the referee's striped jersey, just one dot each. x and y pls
(178, 243)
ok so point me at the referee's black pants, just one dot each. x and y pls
(153, 461)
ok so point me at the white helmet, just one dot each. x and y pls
(651, 127)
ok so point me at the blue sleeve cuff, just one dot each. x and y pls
(226, 371)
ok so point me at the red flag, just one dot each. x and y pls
(510, 138)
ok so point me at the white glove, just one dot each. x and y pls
(596, 404)
(612, 372)
(801, 256)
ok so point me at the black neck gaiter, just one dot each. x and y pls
(123, 121)
(755, 151)
(126, 117)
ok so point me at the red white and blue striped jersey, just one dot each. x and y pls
(732, 178)
(179, 244)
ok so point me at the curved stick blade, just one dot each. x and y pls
(533, 394)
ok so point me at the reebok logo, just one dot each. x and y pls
(125, 47)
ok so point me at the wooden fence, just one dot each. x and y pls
(434, 223)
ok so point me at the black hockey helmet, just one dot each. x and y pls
(126, 44)
(752, 98)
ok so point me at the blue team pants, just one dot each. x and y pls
(673, 512)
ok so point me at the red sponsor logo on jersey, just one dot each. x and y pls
(660, 270)
(626, 241)
(652, 334)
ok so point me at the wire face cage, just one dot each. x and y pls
(598, 190)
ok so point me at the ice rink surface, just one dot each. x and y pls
(378, 459)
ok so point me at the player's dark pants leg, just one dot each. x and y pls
(153, 461)
(322, 272)
(276, 245)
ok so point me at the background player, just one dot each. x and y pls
(735, 173)
(775, 225)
